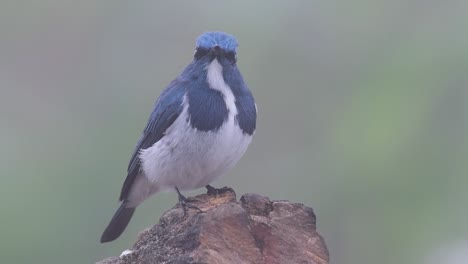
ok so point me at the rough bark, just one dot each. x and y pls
(251, 230)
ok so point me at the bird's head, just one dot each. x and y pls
(220, 45)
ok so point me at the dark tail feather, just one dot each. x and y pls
(118, 223)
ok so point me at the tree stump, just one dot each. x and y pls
(251, 230)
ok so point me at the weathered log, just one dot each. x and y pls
(251, 230)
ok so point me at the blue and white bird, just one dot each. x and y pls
(199, 129)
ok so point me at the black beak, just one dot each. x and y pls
(217, 51)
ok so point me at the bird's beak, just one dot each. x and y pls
(217, 51)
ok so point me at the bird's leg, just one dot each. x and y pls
(212, 191)
(184, 203)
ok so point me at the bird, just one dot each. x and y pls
(200, 127)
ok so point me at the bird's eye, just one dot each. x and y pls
(231, 56)
(200, 53)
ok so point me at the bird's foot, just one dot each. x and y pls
(185, 203)
(212, 191)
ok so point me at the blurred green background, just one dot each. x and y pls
(362, 116)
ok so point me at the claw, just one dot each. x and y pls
(184, 203)
(212, 191)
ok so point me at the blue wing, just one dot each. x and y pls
(167, 109)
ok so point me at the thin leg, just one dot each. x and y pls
(184, 203)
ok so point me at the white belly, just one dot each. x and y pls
(189, 159)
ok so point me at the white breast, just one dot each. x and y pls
(189, 159)
(216, 82)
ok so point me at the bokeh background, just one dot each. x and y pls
(363, 116)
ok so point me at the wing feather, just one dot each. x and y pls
(167, 109)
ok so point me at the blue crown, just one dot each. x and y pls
(225, 41)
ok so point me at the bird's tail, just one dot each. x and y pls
(118, 223)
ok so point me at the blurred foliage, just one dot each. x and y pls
(362, 115)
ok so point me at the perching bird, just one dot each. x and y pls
(200, 127)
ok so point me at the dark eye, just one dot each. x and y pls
(231, 56)
(200, 53)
